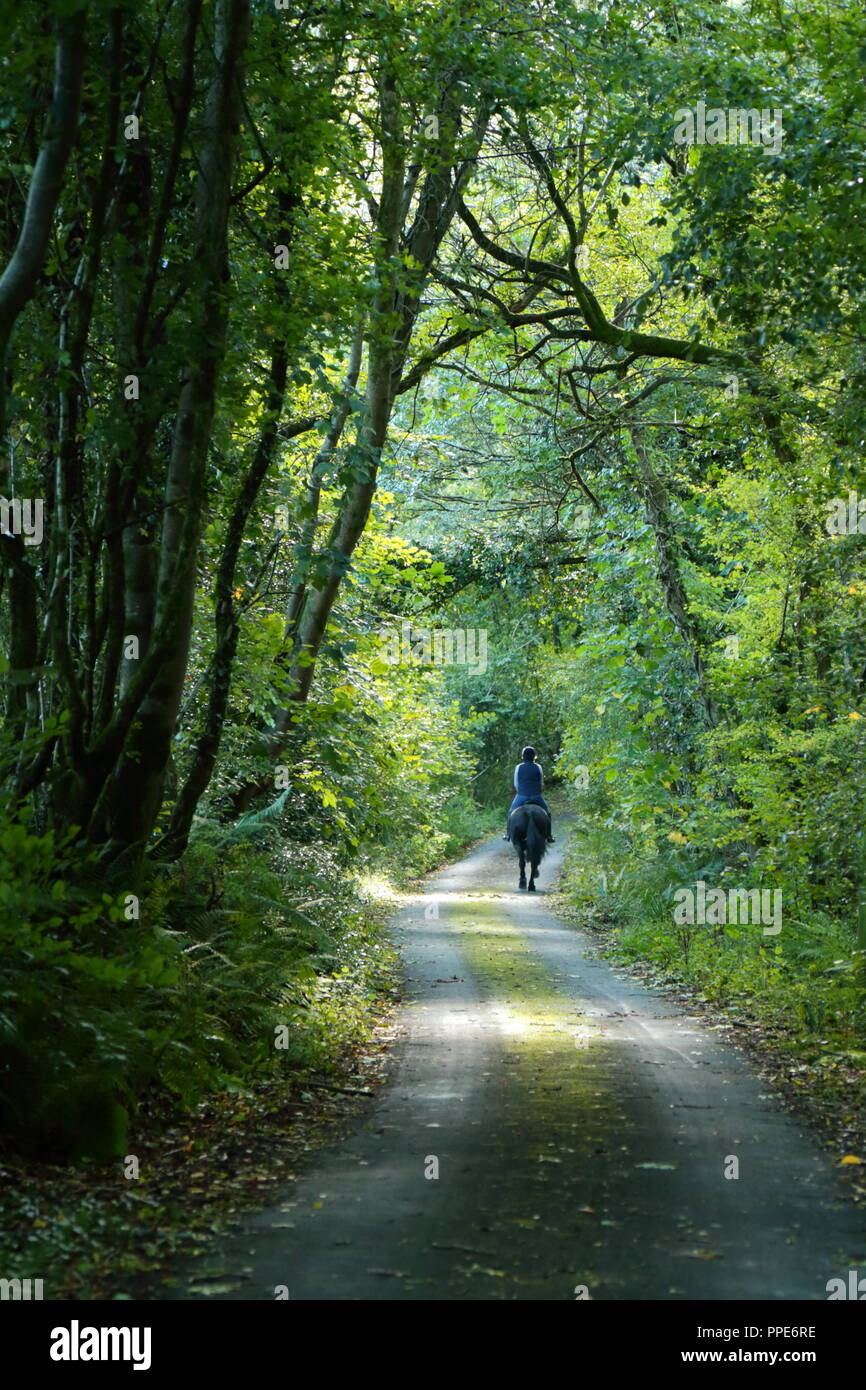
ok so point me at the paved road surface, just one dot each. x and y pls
(581, 1126)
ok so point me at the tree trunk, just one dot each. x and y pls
(131, 803)
(667, 566)
(21, 276)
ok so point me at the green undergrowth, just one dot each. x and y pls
(427, 843)
(90, 1225)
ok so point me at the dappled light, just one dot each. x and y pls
(432, 666)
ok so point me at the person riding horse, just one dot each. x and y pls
(528, 781)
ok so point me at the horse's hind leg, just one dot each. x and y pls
(522, 868)
(533, 873)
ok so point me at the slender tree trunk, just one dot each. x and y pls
(657, 505)
(225, 617)
(21, 276)
(17, 285)
(130, 805)
(322, 462)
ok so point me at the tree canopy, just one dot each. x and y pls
(324, 328)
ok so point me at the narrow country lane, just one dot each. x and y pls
(581, 1125)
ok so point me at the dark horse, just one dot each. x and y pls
(529, 826)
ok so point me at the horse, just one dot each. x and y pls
(529, 826)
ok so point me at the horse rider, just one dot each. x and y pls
(528, 781)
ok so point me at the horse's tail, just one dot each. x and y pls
(536, 838)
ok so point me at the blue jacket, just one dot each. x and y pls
(528, 778)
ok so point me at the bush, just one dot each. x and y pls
(185, 999)
(79, 1030)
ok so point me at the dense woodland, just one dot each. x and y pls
(327, 329)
